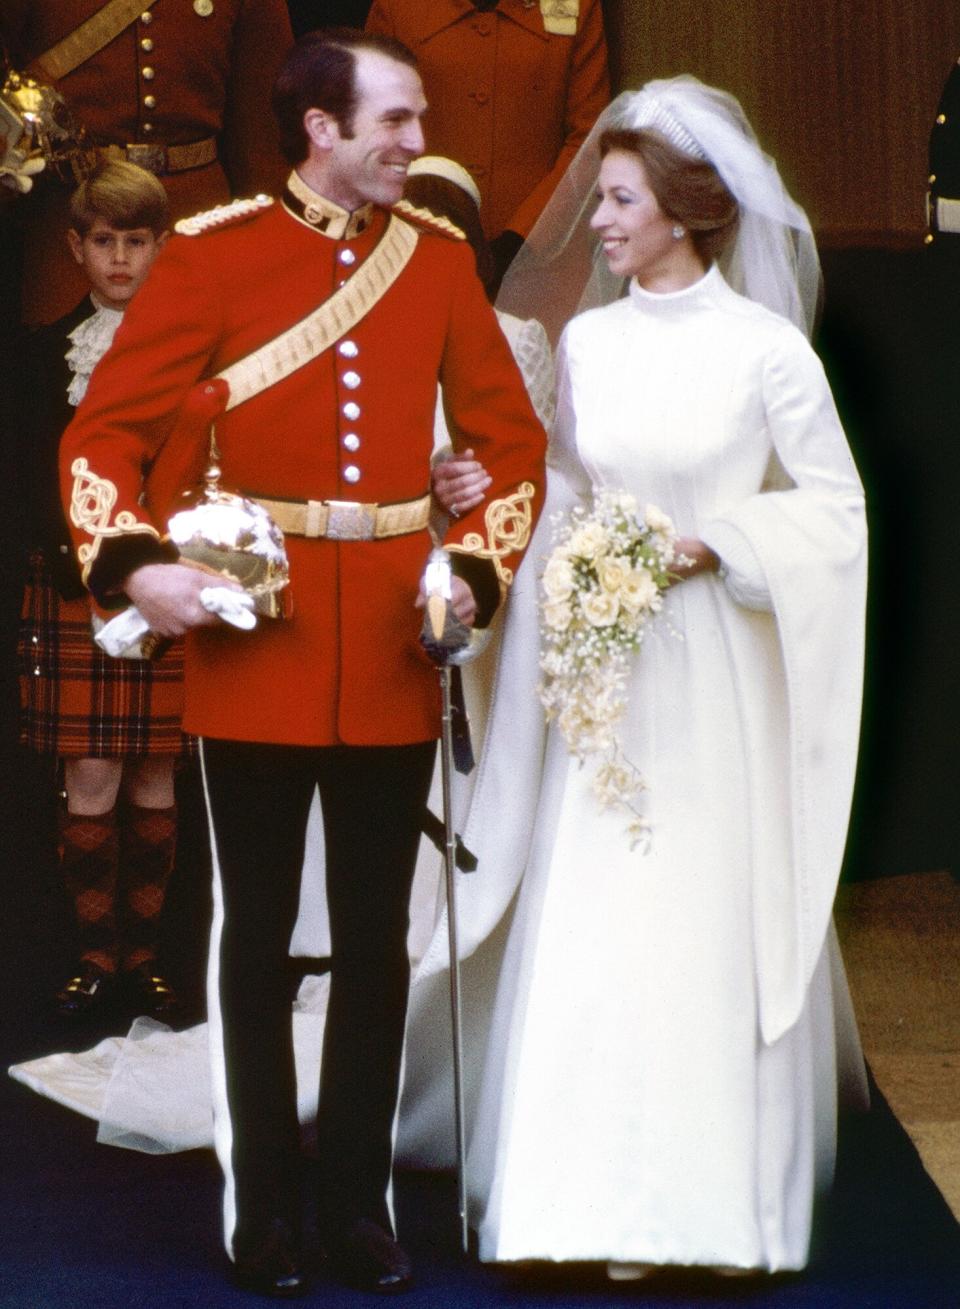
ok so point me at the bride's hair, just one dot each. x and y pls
(688, 190)
(768, 254)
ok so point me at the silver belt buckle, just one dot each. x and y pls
(147, 155)
(349, 520)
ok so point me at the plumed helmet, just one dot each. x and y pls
(234, 537)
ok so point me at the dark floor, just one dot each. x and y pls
(86, 1224)
(91, 1225)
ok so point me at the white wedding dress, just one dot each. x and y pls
(659, 1080)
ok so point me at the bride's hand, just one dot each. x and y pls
(692, 556)
(459, 482)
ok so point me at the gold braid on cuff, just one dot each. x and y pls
(508, 523)
(91, 504)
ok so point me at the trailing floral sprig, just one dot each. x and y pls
(602, 584)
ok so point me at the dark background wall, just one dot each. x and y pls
(307, 14)
(842, 92)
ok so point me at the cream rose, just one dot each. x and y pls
(588, 541)
(613, 572)
(657, 520)
(557, 615)
(600, 608)
(558, 578)
(639, 590)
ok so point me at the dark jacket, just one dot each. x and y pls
(45, 415)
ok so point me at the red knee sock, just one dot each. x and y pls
(147, 843)
(88, 862)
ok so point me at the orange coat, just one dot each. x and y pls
(211, 76)
(508, 100)
(347, 667)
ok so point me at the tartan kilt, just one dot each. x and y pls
(77, 702)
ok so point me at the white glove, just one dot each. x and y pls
(121, 636)
(18, 172)
(234, 607)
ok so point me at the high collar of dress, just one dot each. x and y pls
(701, 291)
(316, 211)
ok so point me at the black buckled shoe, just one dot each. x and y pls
(151, 991)
(82, 992)
(367, 1257)
(272, 1265)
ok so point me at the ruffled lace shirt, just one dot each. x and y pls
(91, 340)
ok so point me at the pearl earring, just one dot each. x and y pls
(679, 232)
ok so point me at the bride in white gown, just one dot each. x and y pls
(660, 1077)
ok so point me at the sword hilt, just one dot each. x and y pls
(445, 639)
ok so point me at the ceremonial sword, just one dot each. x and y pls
(450, 643)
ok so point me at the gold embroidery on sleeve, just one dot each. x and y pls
(91, 504)
(508, 523)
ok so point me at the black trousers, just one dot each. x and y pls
(258, 798)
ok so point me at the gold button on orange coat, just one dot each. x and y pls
(542, 92)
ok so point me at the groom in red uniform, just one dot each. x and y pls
(331, 426)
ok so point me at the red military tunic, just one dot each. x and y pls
(354, 423)
(175, 76)
(508, 99)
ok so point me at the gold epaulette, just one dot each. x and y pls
(428, 220)
(237, 211)
(560, 16)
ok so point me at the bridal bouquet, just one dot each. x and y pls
(602, 584)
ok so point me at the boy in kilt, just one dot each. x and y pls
(113, 723)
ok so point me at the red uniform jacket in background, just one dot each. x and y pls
(173, 77)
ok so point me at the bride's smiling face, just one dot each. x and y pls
(637, 236)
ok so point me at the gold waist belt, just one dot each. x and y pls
(347, 520)
(162, 159)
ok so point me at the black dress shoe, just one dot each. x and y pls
(366, 1257)
(152, 993)
(82, 992)
(271, 1266)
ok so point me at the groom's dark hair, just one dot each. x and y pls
(320, 73)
